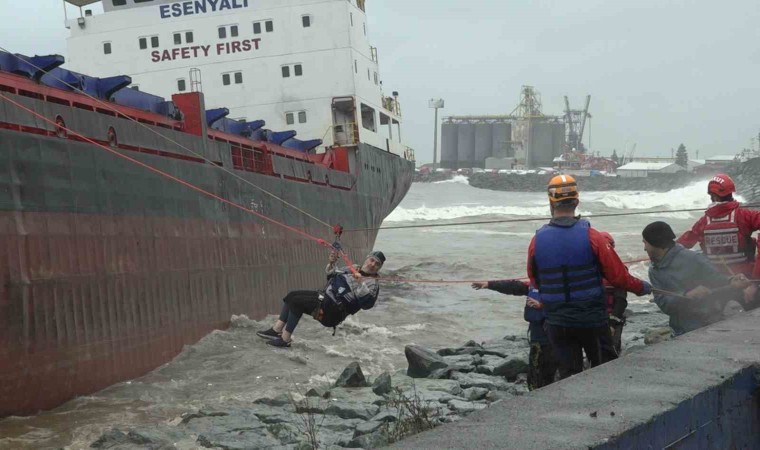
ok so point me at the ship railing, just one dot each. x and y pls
(343, 134)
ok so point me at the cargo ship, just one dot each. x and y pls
(146, 202)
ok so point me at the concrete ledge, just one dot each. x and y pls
(697, 391)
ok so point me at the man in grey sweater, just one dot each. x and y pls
(687, 287)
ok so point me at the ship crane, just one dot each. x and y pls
(575, 125)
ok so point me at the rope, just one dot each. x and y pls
(406, 280)
(109, 106)
(178, 180)
(534, 219)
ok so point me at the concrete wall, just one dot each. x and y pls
(699, 391)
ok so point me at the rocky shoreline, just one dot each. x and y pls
(437, 387)
(537, 183)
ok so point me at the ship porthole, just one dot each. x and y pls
(113, 140)
(60, 128)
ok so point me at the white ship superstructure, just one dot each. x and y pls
(300, 65)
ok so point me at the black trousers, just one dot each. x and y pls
(569, 344)
(295, 305)
(543, 367)
(612, 342)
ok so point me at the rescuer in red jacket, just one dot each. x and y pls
(725, 232)
(567, 261)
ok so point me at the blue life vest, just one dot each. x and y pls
(533, 314)
(567, 269)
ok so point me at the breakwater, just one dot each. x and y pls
(535, 183)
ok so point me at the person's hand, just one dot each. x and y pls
(646, 288)
(698, 293)
(478, 285)
(535, 304)
(740, 282)
(357, 276)
(333, 257)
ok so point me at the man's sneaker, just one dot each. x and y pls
(278, 343)
(268, 334)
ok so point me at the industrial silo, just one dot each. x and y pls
(483, 143)
(449, 145)
(466, 145)
(545, 144)
(501, 136)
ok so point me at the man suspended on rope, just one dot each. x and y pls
(617, 303)
(347, 292)
(688, 288)
(543, 366)
(568, 261)
(725, 231)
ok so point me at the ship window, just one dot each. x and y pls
(143, 43)
(238, 77)
(368, 118)
(289, 119)
(298, 70)
(302, 117)
(181, 85)
(285, 71)
(365, 28)
(376, 82)
(368, 74)
(222, 32)
(306, 20)
(256, 27)
(177, 38)
(107, 48)
(143, 1)
(189, 37)
(356, 66)
(154, 41)
(226, 79)
(269, 26)
(352, 19)
(234, 30)
(119, 2)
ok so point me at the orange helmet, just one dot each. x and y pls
(561, 188)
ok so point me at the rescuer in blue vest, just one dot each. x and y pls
(543, 366)
(568, 261)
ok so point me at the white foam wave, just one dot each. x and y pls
(460, 211)
(461, 179)
(689, 197)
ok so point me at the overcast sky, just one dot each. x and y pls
(659, 72)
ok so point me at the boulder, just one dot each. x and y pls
(511, 368)
(280, 400)
(368, 427)
(352, 376)
(238, 439)
(657, 335)
(320, 391)
(423, 362)
(464, 407)
(475, 393)
(495, 396)
(382, 384)
(372, 440)
(470, 380)
(352, 410)
(118, 439)
(357, 395)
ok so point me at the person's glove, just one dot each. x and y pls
(646, 288)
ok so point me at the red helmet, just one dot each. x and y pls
(721, 185)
